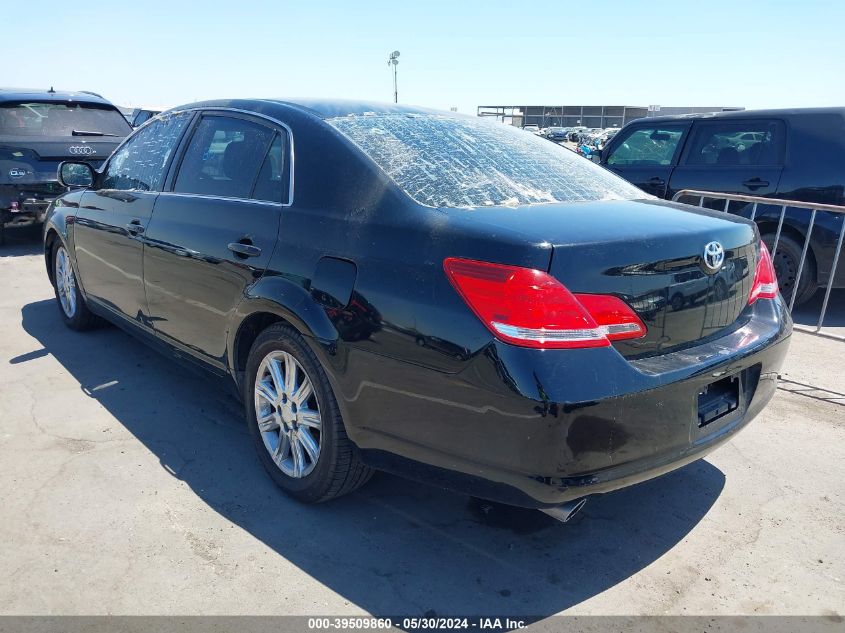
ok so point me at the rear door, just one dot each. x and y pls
(732, 156)
(108, 233)
(214, 229)
(645, 154)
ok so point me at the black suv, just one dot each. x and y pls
(794, 154)
(38, 130)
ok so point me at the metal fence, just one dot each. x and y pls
(700, 197)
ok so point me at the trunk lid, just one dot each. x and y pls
(651, 255)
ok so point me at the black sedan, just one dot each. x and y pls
(433, 295)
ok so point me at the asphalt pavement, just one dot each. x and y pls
(128, 486)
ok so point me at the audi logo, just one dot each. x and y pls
(81, 150)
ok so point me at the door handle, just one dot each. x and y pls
(242, 249)
(134, 227)
(755, 183)
(657, 180)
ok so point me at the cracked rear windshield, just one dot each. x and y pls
(443, 161)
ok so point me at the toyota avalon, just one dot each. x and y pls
(433, 295)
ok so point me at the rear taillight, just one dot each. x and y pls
(765, 284)
(530, 308)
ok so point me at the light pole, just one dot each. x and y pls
(393, 60)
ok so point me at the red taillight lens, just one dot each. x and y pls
(613, 315)
(530, 308)
(765, 284)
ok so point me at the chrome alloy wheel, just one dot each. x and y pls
(288, 414)
(65, 283)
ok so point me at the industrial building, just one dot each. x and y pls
(587, 116)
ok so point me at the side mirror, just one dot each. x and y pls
(75, 175)
(596, 155)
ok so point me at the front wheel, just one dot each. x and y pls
(75, 313)
(294, 420)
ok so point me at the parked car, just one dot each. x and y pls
(138, 116)
(534, 129)
(575, 133)
(588, 135)
(557, 134)
(609, 133)
(39, 128)
(439, 296)
(789, 154)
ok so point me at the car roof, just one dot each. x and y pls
(745, 114)
(34, 94)
(322, 108)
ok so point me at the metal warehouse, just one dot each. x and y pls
(588, 116)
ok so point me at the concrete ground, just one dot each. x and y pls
(130, 487)
(807, 314)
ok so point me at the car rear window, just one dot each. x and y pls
(61, 119)
(446, 161)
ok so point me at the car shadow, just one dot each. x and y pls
(808, 313)
(23, 240)
(394, 547)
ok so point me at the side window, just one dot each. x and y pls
(224, 157)
(142, 117)
(141, 162)
(272, 180)
(647, 146)
(736, 143)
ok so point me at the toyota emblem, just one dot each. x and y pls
(81, 150)
(714, 256)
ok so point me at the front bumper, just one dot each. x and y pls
(538, 428)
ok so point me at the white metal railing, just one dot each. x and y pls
(814, 208)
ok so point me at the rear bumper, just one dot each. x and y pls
(538, 428)
(31, 212)
(21, 204)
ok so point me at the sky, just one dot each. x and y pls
(456, 53)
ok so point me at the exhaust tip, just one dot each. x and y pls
(566, 511)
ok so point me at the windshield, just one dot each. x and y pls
(61, 119)
(445, 161)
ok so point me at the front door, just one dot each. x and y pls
(109, 229)
(212, 235)
(645, 155)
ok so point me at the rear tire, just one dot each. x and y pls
(302, 441)
(72, 307)
(786, 261)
